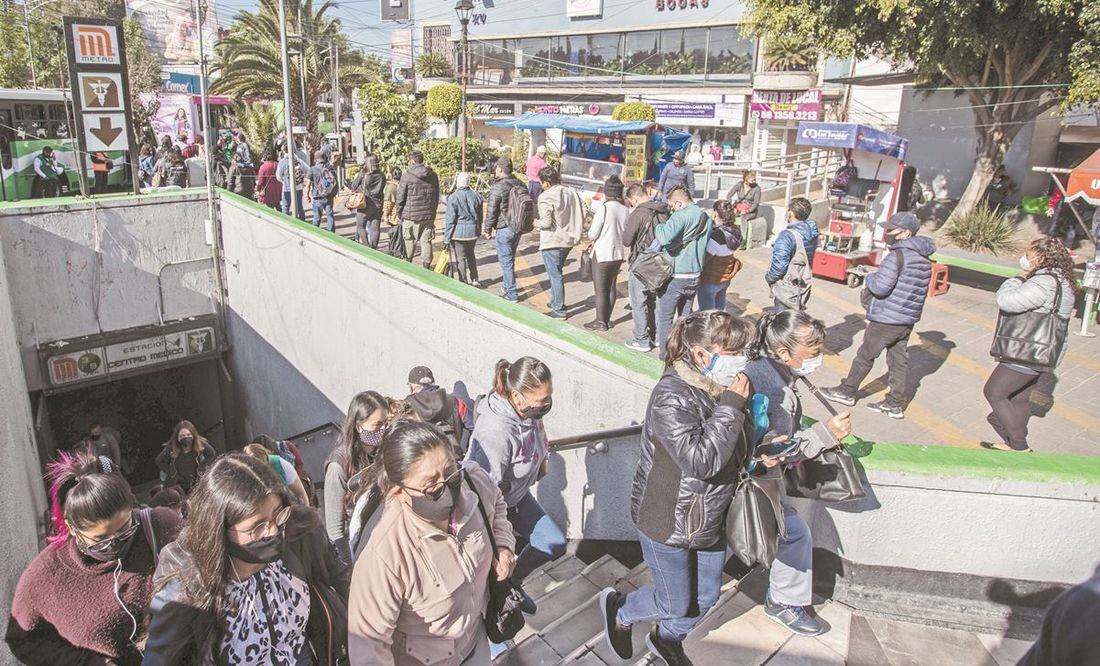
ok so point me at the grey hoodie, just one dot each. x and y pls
(560, 218)
(509, 448)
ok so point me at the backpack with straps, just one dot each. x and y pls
(145, 517)
(326, 183)
(521, 210)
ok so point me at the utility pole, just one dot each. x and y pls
(30, 44)
(287, 120)
(463, 9)
(302, 63)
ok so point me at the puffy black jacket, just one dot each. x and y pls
(496, 215)
(418, 194)
(638, 231)
(694, 444)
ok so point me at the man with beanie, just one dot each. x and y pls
(898, 290)
(676, 174)
(645, 214)
(496, 225)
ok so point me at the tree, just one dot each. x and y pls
(445, 101)
(392, 122)
(432, 65)
(627, 111)
(789, 53)
(1011, 59)
(250, 58)
(259, 123)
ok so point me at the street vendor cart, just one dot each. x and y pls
(863, 192)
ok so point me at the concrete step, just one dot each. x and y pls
(546, 578)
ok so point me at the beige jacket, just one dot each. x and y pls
(418, 594)
(561, 217)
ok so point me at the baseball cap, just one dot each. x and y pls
(904, 220)
(421, 375)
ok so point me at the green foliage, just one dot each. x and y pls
(433, 65)
(445, 101)
(520, 143)
(445, 155)
(392, 123)
(789, 53)
(1085, 60)
(982, 229)
(634, 111)
(259, 122)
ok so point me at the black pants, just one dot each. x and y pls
(604, 276)
(894, 338)
(465, 260)
(1009, 395)
(100, 182)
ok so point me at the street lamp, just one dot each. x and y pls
(463, 9)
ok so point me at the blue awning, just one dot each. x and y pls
(582, 124)
(853, 136)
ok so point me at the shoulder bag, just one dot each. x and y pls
(1032, 338)
(586, 264)
(755, 522)
(503, 616)
(832, 476)
(654, 268)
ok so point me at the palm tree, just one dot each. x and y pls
(785, 53)
(250, 58)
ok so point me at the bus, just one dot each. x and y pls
(30, 120)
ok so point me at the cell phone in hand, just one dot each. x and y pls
(776, 449)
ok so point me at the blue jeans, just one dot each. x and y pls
(325, 206)
(642, 311)
(674, 300)
(285, 207)
(554, 260)
(507, 243)
(545, 540)
(712, 296)
(686, 584)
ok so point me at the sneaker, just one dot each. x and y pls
(838, 395)
(617, 635)
(670, 652)
(476, 283)
(528, 606)
(639, 346)
(557, 315)
(794, 618)
(887, 408)
(511, 299)
(596, 326)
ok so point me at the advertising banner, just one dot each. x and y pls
(853, 136)
(171, 32)
(634, 158)
(786, 104)
(174, 118)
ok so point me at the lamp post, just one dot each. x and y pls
(463, 9)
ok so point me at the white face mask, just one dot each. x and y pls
(1025, 264)
(809, 365)
(722, 369)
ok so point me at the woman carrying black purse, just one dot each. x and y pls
(1031, 338)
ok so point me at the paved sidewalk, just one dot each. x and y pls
(949, 354)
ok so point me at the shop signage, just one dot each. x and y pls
(634, 158)
(684, 110)
(673, 5)
(493, 109)
(786, 104)
(700, 110)
(592, 109)
(583, 8)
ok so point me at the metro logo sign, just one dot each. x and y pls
(95, 45)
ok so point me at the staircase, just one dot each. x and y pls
(568, 628)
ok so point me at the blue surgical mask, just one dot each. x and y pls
(809, 365)
(722, 369)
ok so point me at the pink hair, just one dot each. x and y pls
(64, 471)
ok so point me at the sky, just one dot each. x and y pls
(359, 18)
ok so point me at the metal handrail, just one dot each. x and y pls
(313, 431)
(595, 441)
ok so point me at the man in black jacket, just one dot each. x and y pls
(417, 201)
(638, 235)
(496, 224)
(434, 405)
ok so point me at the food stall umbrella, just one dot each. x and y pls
(580, 124)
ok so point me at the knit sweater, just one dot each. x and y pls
(65, 610)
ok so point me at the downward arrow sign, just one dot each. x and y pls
(105, 132)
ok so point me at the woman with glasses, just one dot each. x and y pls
(366, 419)
(251, 580)
(420, 587)
(82, 600)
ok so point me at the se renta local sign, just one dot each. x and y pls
(786, 104)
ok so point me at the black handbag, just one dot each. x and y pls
(755, 522)
(654, 268)
(504, 615)
(397, 245)
(831, 476)
(586, 264)
(1032, 338)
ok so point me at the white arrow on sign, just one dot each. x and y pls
(105, 131)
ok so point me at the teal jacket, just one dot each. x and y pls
(671, 234)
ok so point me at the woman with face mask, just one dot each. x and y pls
(364, 425)
(251, 580)
(509, 442)
(790, 345)
(82, 600)
(185, 457)
(693, 450)
(420, 588)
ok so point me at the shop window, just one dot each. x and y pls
(729, 52)
(531, 56)
(605, 54)
(568, 55)
(683, 52)
(490, 62)
(643, 52)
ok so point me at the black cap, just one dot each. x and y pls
(421, 375)
(905, 220)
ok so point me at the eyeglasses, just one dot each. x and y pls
(436, 490)
(108, 544)
(259, 530)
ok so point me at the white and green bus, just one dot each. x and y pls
(30, 120)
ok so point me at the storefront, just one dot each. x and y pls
(715, 121)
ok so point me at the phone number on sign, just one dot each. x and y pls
(787, 115)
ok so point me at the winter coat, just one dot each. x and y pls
(462, 220)
(496, 214)
(267, 185)
(783, 248)
(65, 611)
(638, 230)
(688, 259)
(673, 176)
(241, 180)
(170, 468)
(512, 450)
(418, 194)
(1036, 294)
(720, 264)
(899, 299)
(1068, 635)
(776, 382)
(560, 217)
(418, 595)
(606, 232)
(307, 554)
(693, 448)
(737, 196)
(373, 187)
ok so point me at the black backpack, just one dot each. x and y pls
(326, 184)
(521, 210)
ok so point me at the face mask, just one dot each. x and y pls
(187, 441)
(370, 438)
(890, 237)
(1025, 264)
(95, 438)
(536, 411)
(809, 365)
(108, 550)
(436, 510)
(260, 551)
(722, 369)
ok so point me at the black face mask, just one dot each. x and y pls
(436, 510)
(186, 442)
(95, 438)
(260, 551)
(108, 550)
(536, 411)
(890, 238)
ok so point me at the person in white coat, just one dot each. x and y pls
(606, 234)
